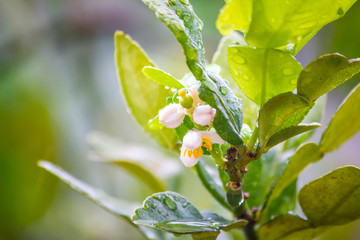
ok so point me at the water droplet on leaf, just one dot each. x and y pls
(240, 60)
(159, 211)
(223, 90)
(178, 26)
(340, 11)
(186, 2)
(161, 11)
(186, 17)
(170, 203)
(156, 3)
(153, 205)
(176, 198)
(288, 71)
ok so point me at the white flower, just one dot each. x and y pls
(203, 115)
(193, 141)
(172, 115)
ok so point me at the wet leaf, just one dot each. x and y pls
(344, 124)
(258, 73)
(276, 113)
(143, 96)
(179, 17)
(162, 77)
(332, 199)
(289, 132)
(326, 73)
(228, 117)
(171, 212)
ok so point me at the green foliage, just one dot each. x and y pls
(258, 73)
(162, 77)
(171, 212)
(326, 73)
(228, 118)
(144, 97)
(274, 24)
(332, 199)
(276, 113)
(180, 18)
(344, 124)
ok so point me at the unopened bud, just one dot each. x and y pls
(172, 115)
(203, 115)
(186, 101)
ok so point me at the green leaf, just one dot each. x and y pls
(314, 115)
(332, 199)
(305, 155)
(288, 227)
(118, 208)
(208, 178)
(235, 15)
(144, 97)
(276, 23)
(344, 124)
(228, 117)
(263, 73)
(277, 111)
(220, 58)
(179, 17)
(258, 178)
(326, 73)
(289, 132)
(161, 77)
(171, 212)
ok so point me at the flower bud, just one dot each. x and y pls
(203, 115)
(186, 101)
(172, 115)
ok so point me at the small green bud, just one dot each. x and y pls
(186, 101)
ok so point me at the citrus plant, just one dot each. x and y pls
(247, 115)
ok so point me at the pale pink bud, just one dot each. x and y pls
(172, 115)
(203, 115)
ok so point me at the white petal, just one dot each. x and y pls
(215, 138)
(192, 140)
(188, 161)
(172, 115)
(203, 115)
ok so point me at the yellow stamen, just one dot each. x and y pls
(190, 153)
(201, 152)
(182, 92)
(185, 152)
(207, 143)
(196, 153)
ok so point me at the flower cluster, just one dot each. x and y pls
(172, 116)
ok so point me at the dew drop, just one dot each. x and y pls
(156, 3)
(176, 198)
(229, 101)
(340, 11)
(178, 12)
(186, 2)
(156, 197)
(161, 11)
(145, 206)
(186, 17)
(185, 205)
(178, 26)
(200, 45)
(240, 60)
(167, 214)
(288, 71)
(172, 1)
(153, 205)
(223, 90)
(170, 203)
(159, 211)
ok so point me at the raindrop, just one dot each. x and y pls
(201, 46)
(340, 11)
(156, 3)
(229, 101)
(167, 214)
(185, 205)
(159, 211)
(172, 1)
(153, 205)
(288, 71)
(176, 198)
(223, 90)
(178, 26)
(240, 60)
(186, 2)
(178, 12)
(170, 203)
(156, 197)
(161, 11)
(233, 50)
(186, 17)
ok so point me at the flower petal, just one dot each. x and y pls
(192, 140)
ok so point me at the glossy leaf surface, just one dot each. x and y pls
(228, 117)
(332, 199)
(326, 73)
(344, 124)
(275, 113)
(161, 77)
(143, 96)
(263, 73)
(179, 17)
(289, 132)
(171, 212)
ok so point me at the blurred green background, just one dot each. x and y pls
(58, 83)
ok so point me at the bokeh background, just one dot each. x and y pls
(58, 83)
